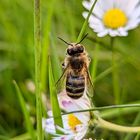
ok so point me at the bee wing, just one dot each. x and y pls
(60, 84)
(90, 88)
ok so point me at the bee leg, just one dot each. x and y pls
(89, 58)
(63, 65)
(65, 69)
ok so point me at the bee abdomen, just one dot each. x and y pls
(75, 86)
(74, 90)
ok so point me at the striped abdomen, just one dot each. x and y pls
(75, 86)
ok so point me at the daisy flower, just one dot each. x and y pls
(75, 125)
(113, 17)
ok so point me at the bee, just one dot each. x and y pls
(76, 75)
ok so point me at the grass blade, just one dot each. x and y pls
(46, 43)
(86, 22)
(37, 42)
(26, 114)
(24, 136)
(136, 122)
(55, 61)
(54, 101)
(94, 63)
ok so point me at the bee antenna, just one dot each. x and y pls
(82, 39)
(64, 41)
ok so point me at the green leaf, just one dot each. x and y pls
(46, 44)
(55, 61)
(94, 63)
(54, 100)
(26, 114)
(86, 22)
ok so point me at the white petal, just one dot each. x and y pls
(129, 6)
(103, 33)
(63, 130)
(50, 114)
(135, 14)
(120, 4)
(113, 33)
(88, 4)
(64, 137)
(82, 130)
(48, 125)
(105, 4)
(97, 11)
(97, 27)
(132, 24)
(68, 104)
(92, 19)
(122, 32)
(83, 117)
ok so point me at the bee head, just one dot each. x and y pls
(74, 49)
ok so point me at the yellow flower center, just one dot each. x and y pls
(73, 121)
(114, 18)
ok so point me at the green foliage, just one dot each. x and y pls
(25, 112)
(54, 101)
(37, 53)
(64, 19)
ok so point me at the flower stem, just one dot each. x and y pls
(37, 42)
(103, 108)
(115, 76)
(111, 126)
(113, 113)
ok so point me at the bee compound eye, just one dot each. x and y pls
(81, 49)
(69, 51)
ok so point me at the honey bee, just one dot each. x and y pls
(76, 75)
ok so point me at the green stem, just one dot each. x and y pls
(137, 136)
(86, 22)
(113, 113)
(94, 63)
(136, 122)
(106, 72)
(115, 76)
(37, 42)
(103, 108)
(114, 127)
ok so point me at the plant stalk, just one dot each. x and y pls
(103, 108)
(37, 48)
(114, 127)
(115, 76)
(85, 22)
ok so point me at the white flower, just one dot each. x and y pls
(113, 17)
(75, 125)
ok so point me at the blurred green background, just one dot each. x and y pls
(62, 18)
